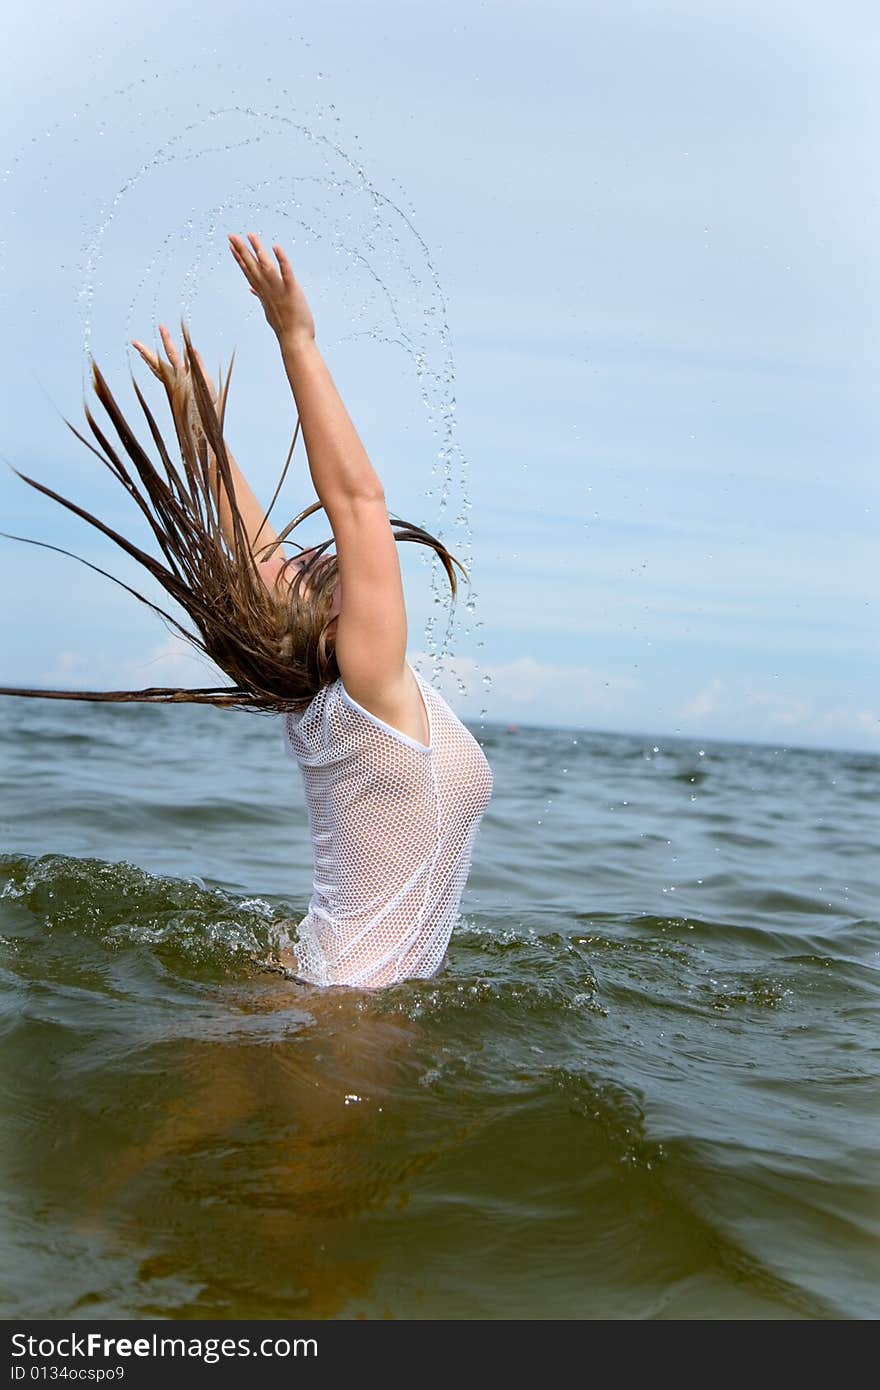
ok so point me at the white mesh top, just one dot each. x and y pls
(393, 823)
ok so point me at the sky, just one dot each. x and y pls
(597, 282)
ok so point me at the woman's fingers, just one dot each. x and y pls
(243, 256)
(144, 352)
(286, 268)
(237, 247)
(170, 349)
(254, 259)
(262, 259)
(151, 358)
(247, 258)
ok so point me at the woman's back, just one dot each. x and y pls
(393, 823)
(393, 819)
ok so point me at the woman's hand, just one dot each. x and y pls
(175, 372)
(278, 290)
(176, 377)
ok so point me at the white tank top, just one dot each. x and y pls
(393, 823)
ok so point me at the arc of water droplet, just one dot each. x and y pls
(444, 331)
(211, 213)
(405, 343)
(167, 153)
(190, 233)
(161, 157)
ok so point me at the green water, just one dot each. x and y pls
(646, 1085)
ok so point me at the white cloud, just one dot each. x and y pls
(780, 710)
(742, 708)
(69, 666)
(173, 663)
(683, 372)
(705, 701)
(538, 692)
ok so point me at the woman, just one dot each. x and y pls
(395, 784)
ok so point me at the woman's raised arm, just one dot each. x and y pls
(338, 461)
(371, 629)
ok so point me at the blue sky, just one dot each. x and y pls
(616, 263)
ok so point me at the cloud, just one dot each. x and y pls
(780, 710)
(705, 701)
(173, 663)
(537, 692)
(671, 378)
(742, 708)
(69, 664)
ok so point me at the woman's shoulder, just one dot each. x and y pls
(326, 690)
(335, 724)
(301, 724)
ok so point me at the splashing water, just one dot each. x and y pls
(369, 267)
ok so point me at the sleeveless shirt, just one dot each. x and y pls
(393, 823)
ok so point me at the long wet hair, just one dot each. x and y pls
(274, 645)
